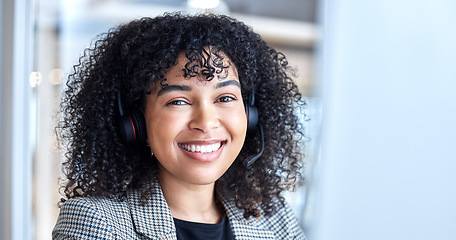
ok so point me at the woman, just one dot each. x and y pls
(180, 127)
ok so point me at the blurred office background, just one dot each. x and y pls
(379, 76)
(42, 39)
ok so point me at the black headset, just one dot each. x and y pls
(252, 112)
(252, 122)
(133, 125)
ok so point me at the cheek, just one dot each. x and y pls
(236, 123)
(161, 130)
(237, 127)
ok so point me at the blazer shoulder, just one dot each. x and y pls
(90, 218)
(284, 223)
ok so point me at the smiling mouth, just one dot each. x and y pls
(201, 148)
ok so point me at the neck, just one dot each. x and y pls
(189, 202)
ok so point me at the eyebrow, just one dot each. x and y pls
(228, 83)
(185, 88)
(172, 88)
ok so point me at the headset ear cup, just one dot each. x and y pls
(252, 117)
(127, 129)
(133, 127)
(139, 124)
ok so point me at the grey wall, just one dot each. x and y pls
(6, 38)
(15, 151)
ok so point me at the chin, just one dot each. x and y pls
(203, 179)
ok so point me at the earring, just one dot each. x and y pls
(151, 152)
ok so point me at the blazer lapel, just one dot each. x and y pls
(152, 219)
(245, 228)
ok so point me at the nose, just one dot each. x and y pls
(204, 118)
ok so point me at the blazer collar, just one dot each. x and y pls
(152, 219)
(245, 228)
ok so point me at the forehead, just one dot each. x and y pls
(189, 71)
(206, 65)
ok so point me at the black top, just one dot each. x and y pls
(202, 231)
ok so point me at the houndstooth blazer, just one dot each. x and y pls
(104, 218)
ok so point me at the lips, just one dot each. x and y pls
(201, 148)
(203, 151)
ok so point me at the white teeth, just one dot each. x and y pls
(202, 148)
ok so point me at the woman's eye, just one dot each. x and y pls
(177, 102)
(226, 99)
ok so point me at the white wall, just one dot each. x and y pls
(388, 158)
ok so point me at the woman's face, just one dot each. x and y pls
(195, 128)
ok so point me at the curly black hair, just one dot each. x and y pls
(127, 59)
